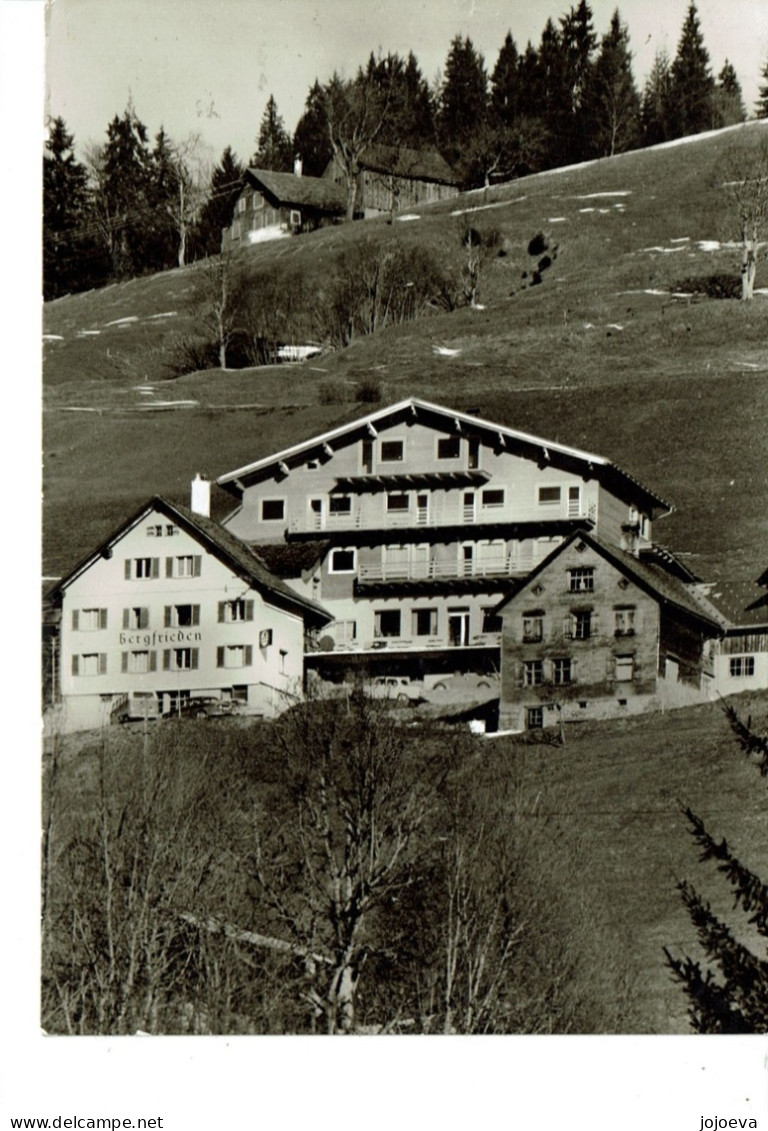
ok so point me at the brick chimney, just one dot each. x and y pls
(201, 496)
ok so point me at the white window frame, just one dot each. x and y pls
(533, 673)
(741, 667)
(624, 621)
(139, 569)
(431, 610)
(95, 614)
(378, 634)
(184, 566)
(581, 579)
(560, 664)
(134, 668)
(332, 568)
(85, 661)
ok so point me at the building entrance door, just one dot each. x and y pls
(458, 627)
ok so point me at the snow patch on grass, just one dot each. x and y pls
(483, 207)
(663, 250)
(408, 216)
(594, 195)
(557, 219)
(681, 239)
(445, 351)
(88, 333)
(614, 326)
(53, 338)
(124, 321)
(165, 314)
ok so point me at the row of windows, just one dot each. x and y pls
(161, 529)
(562, 670)
(174, 616)
(145, 660)
(180, 566)
(425, 622)
(274, 510)
(581, 624)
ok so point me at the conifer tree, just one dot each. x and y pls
(505, 83)
(578, 42)
(728, 100)
(729, 995)
(761, 106)
(274, 143)
(71, 260)
(216, 214)
(122, 171)
(310, 140)
(656, 113)
(613, 101)
(463, 100)
(692, 83)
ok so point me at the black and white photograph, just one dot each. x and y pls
(403, 584)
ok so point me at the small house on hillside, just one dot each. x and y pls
(741, 659)
(394, 179)
(594, 632)
(273, 205)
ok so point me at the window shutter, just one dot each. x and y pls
(248, 655)
(167, 616)
(75, 619)
(567, 627)
(155, 567)
(197, 565)
(220, 657)
(143, 618)
(169, 567)
(127, 569)
(102, 618)
(222, 605)
(194, 658)
(123, 662)
(594, 624)
(102, 663)
(166, 659)
(153, 661)
(610, 666)
(75, 665)
(249, 610)
(126, 618)
(195, 614)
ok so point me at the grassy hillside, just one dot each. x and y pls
(603, 354)
(601, 816)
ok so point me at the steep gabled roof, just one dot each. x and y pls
(654, 580)
(293, 191)
(738, 604)
(416, 164)
(610, 474)
(222, 544)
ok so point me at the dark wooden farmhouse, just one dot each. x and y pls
(393, 180)
(274, 205)
(594, 632)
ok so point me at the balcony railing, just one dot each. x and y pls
(426, 517)
(435, 571)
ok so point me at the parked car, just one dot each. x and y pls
(204, 707)
(135, 706)
(395, 687)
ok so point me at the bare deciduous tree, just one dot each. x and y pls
(746, 186)
(355, 113)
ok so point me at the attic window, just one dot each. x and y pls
(537, 590)
(580, 547)
(623, 583)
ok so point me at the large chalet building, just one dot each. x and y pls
(413, 524)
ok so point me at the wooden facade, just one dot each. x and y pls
(595, 633)
(396, 180)
(275, 205)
